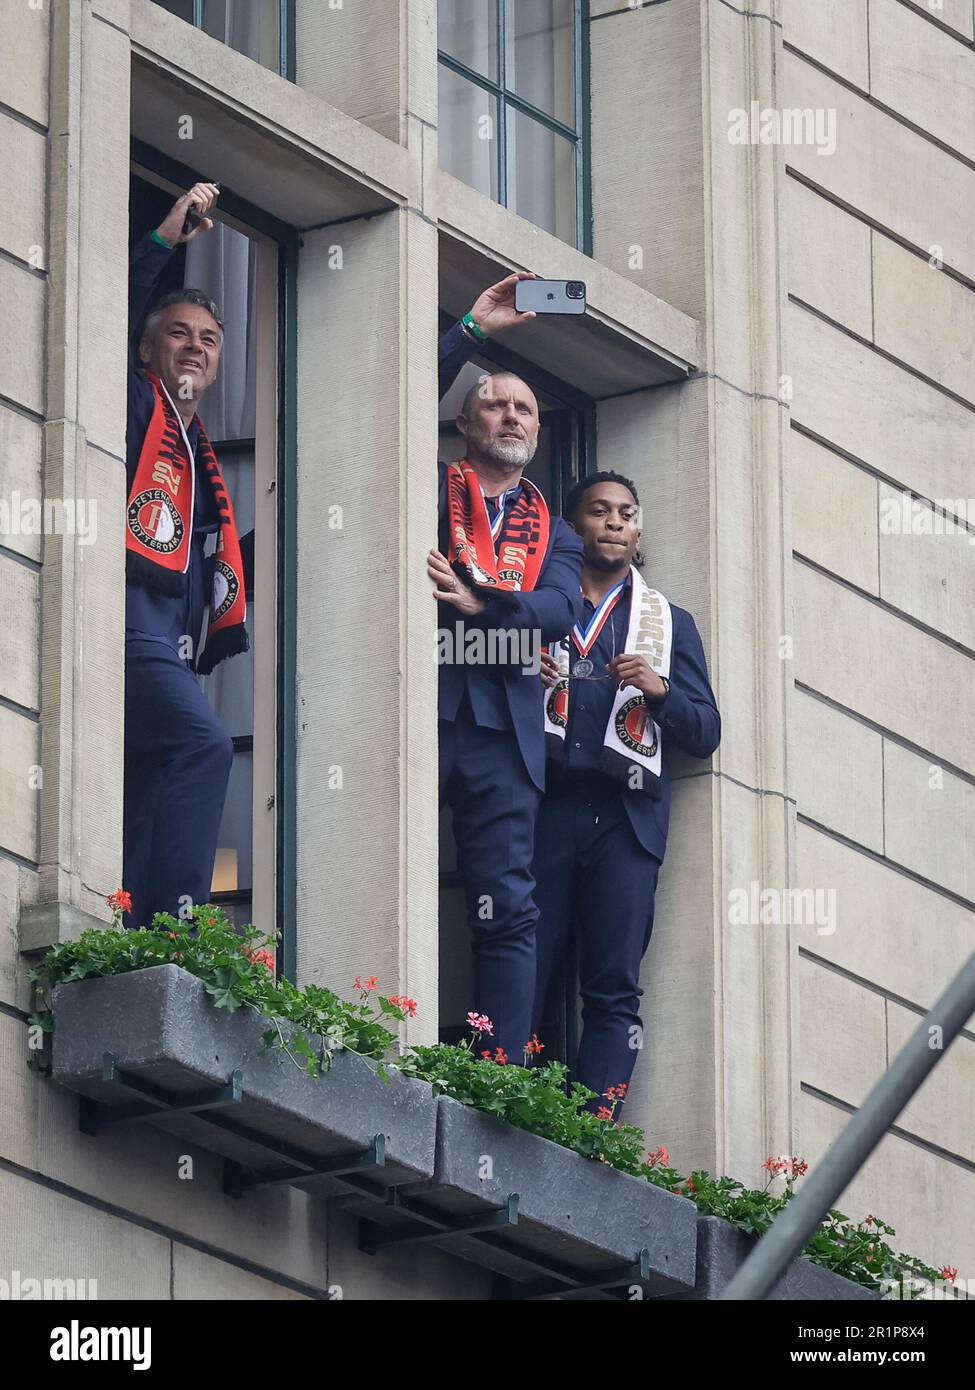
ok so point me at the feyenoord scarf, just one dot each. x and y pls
(508, 558)
(633, 739)
(159, 526)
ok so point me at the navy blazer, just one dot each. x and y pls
(689, 721)
(547, 612)
(688, 718)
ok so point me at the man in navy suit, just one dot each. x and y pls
(617, 716)
(178, 755)
(506, 578)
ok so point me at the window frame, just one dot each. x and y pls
(580, 137)
(287, 61)
(287, 237)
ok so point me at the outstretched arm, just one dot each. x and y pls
(494, 311)
(152, 252)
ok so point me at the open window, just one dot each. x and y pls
(566, 452)
(238, 267)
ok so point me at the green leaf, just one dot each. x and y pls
(222, 991)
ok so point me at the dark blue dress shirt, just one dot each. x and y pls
(591, 701)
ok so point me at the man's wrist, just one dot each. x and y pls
(161, 240)
(658, 700)
(472, 330)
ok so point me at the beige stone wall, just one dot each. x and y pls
(881, 273)
(779, 343)
(23, 257)
(115, 1209)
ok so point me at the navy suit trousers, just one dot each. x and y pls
(494, 804)
(591, 870)
(177, 765)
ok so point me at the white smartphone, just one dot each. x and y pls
(550, 296)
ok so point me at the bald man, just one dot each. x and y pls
(506, 577)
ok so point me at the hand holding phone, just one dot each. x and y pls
(550, 296)
(196, 213)
(187, 218)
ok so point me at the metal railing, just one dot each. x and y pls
(797, 1221)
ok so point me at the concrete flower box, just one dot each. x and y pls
(574, 1215)
(722, 1249)
(164, 1031)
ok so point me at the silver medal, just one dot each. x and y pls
(583, 667)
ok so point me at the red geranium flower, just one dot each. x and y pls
(262, 957)
(402, 1001)
(120, 901)
(604, 1113)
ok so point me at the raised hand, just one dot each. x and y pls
(494, 309)
(201, 199)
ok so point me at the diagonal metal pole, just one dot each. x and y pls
(794, 1225)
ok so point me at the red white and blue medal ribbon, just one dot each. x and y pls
(585, 640)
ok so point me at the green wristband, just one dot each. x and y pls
(468, 322)
(160, 240)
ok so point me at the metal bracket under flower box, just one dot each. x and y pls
(422, 1224)
(582, 1229)
(409, 1164)
(206, 1076)
(564, 1283)
(94, 1116)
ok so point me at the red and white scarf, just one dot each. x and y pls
(512, 559)
(159, 526)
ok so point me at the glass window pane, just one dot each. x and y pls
(233, 867)
(468, 31)
(468, 127)
(539, 55)
(249, 26)
(223, 264)
(241, 913)
(541, 176)
(182, 9)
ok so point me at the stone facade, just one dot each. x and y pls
(779, 342)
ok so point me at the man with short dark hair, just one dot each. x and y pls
(506, 576)
(177, 753)
(624, 689)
